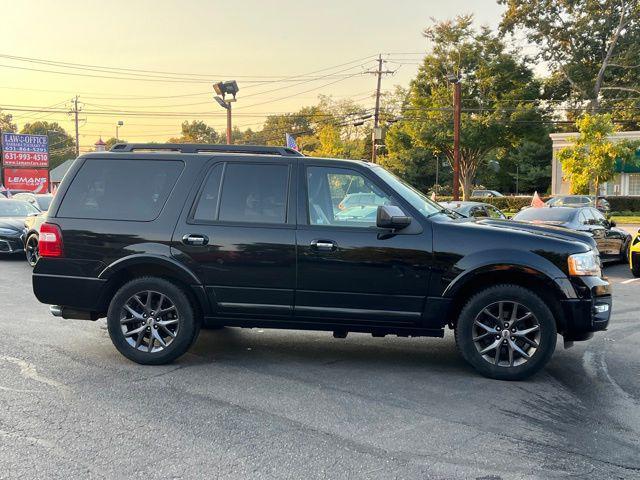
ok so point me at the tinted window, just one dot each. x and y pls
(342, 197)
(254, 193)
(494, 212)
(207, 208)
(598, 216)
(546, 214)
(120, 189)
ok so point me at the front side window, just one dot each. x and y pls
(116, 189)
(342, 197)
(254, 193)
(494, 212)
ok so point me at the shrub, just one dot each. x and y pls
(620, 204)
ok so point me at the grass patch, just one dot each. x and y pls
(622, 219)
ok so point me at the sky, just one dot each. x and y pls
(327, 47)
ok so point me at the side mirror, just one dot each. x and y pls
(33, 214)
(390, 216)
(612, 223)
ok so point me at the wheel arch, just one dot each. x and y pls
(149, 265)
(551, 290)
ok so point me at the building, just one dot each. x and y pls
(625, 182)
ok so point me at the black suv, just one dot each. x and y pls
(162, 239)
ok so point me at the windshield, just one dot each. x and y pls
(418, 200)
(16, 208)
(546, 215)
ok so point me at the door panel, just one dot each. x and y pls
(238, 237)
(365, 277)
(348, 269)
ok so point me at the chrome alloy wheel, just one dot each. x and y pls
(149, 321)
(506, 334)
(32, 251)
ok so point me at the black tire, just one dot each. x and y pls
(31, 249)
(526, 301)
(185, 328)
(635, 264)
(625, 252)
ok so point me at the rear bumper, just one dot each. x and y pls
(82, 293)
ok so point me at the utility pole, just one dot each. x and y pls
(455, 80)
(75, 112)
(376, 114)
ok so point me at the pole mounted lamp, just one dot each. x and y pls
(455, 80)
(118, 125)
(223, 89)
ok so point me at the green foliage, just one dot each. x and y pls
(624, 204)
(591, 159)
(592, 47)
(197, 131)
(112, 141)
(6, 123)
(62, 146)
(500, 100)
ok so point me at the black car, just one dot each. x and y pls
(577, 201)
(162, 242)
(474, 209)
(12, 217)
(39, 200)
(613, 243)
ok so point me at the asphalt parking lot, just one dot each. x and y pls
(288, 404)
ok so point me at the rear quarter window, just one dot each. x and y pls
(114, 189)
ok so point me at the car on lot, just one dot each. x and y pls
(10, 192)
(162, 239)
(362, 199)
(613, 243)
(12, 217)
(578, 201)
(32, 237)
(474, 209)
(485, 193)
(39, 200)
(634, 255)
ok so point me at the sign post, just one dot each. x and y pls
(25, 162)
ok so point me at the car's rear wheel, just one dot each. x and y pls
(151, 321)
(625, 252)
(31, 249)
(506, 332)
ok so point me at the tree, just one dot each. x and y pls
(112, 141)
(197, 132)
(500, 95)
(591, 159)
(591, 46)
(6, 123)
(62, 146)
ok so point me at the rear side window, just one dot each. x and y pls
(254, 193)
(207, 208)
(120, 189)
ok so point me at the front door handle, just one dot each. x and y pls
(324, 245)
(195, 239)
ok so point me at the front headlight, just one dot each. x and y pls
(586, 263)
(8, 231)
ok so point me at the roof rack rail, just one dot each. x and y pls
(205, 147)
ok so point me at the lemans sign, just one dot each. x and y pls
(31, 179)
(25, 151)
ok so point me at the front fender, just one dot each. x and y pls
(504, 260)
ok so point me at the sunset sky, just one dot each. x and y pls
(328, 44)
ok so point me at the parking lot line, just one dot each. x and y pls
(629, 281)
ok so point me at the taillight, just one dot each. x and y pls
(50, 241)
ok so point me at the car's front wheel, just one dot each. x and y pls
(506, 332)
(31, 249)
(151, 321)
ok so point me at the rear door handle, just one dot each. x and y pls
(324, 245)
(195, 239)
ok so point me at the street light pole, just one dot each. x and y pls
(226, 88)
(119, 124)
(228, 123)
